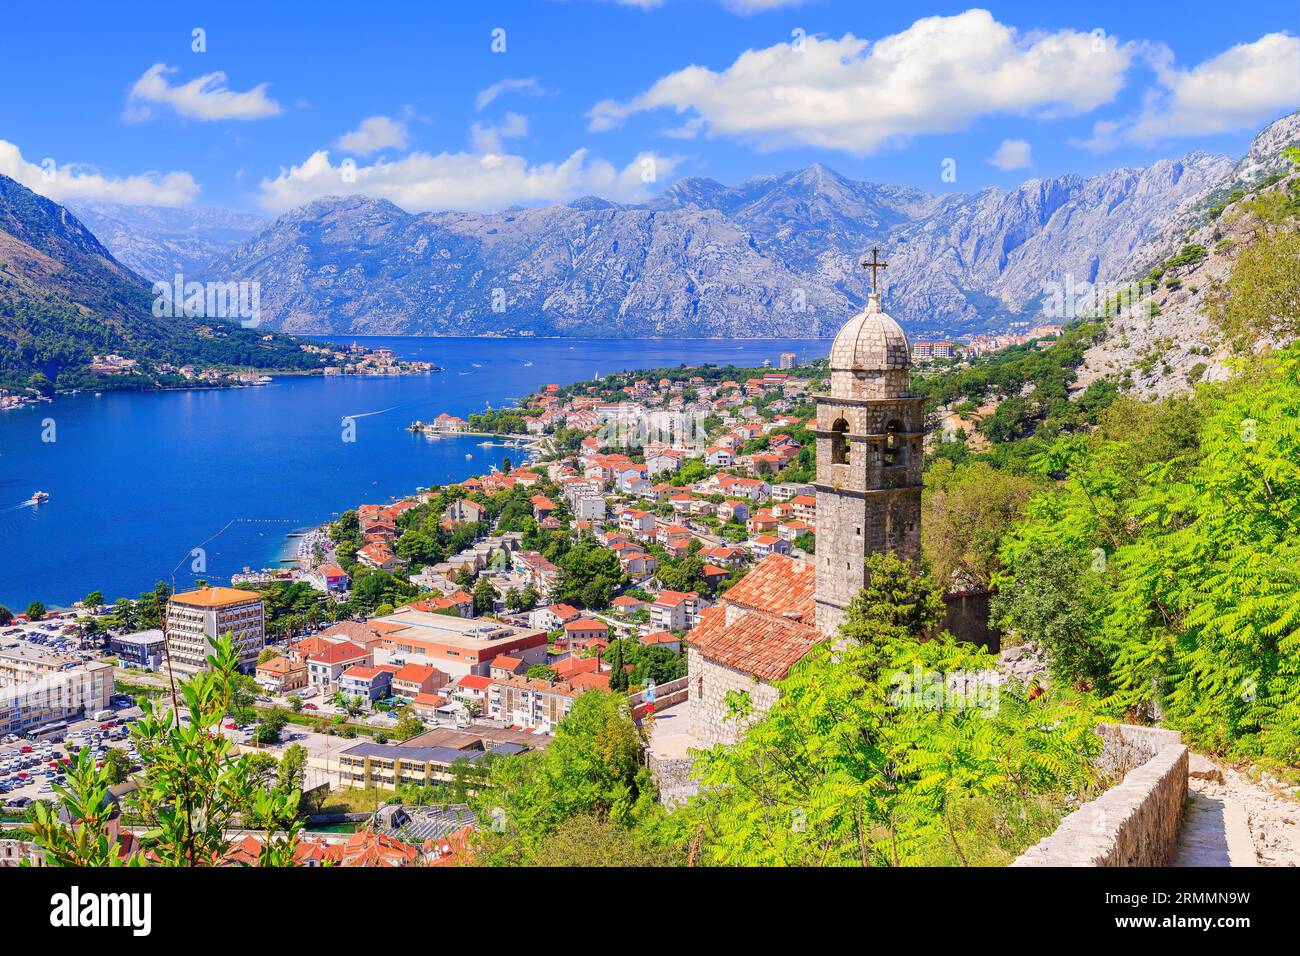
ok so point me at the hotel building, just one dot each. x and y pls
(195, 619)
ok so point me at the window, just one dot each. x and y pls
(839, 443)
(895, 450)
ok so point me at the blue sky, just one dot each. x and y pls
(411, 101)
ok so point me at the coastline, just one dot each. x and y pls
(298, 449)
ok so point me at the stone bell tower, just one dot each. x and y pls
(869, 458)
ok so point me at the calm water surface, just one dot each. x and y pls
(138, 479)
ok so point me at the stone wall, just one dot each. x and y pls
(966, 617)
(1134, 823)
(666, 695)
(712, 722)
(672, 775)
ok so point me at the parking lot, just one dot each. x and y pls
(59, 635)
(30, 768)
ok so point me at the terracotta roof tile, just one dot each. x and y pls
(760, 644)
(778, 585)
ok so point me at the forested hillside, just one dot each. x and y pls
(64, 299)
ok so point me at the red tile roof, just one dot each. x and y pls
(338, 653)
(779, 585)
(415, 673)
(764, 645)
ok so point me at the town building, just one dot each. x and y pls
(280, 675)
(196, 619)
(869, 459)
(143, 649)
(424, 760)
(39, 688)
(326, 666)
(529, 703)
(366, 682)
(456, 646)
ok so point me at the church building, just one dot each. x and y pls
(869, 459)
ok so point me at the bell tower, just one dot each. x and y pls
(869, 458)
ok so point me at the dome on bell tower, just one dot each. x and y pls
(870, 357)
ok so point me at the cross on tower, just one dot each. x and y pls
(873, 264)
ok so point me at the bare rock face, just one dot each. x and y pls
(775, 256)
(1025, 664)
(158, 243)
(1166, 342)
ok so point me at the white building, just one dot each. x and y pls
(196, 619)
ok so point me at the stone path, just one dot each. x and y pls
(1233, 821)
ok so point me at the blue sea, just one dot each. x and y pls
(139, 479)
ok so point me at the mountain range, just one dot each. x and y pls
(64, 298)
(159, 243)
(774, 256)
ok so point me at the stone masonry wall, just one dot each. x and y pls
(1134, 823)
(710, 683)
(672, 775)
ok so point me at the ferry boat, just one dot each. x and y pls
(39, 498)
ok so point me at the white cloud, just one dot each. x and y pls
(374, 133)
(1012, 154)
(487, 137)
(421, 182)
(527, 84)
(936, 76)
(79, 181)
(1238, 89)
(203, 98)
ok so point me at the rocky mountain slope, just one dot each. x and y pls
(1166, 341)
(159, 243)
(775, 256)
(64, 298)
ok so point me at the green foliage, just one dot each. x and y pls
(117, 766)
(408, 725)
(589, 574)
(1261, 298)
(1055, 598)
(966, 509)
(1190, 509)
(500, 421)
(593, 768)
(867, 760)
(191, 785)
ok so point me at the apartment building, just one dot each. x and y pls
(196, 619)
(428, 758)
(326, 666)
(456, 646)
(39, 688)
(529, 703)
(675, 610)
(143, 649)
(280, 675)
(369, 683)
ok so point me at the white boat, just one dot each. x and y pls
(39, 498)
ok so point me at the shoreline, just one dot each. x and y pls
(281, 552)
